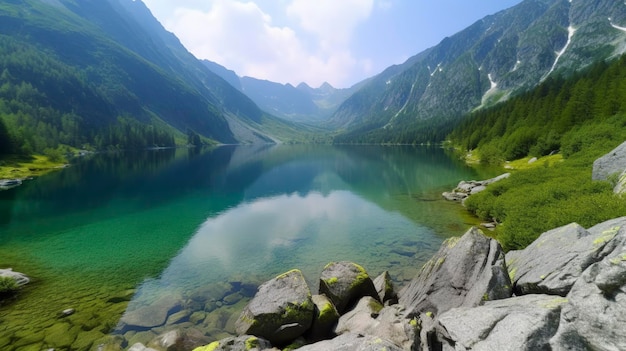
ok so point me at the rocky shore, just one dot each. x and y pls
(566, 291)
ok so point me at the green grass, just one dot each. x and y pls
(21, 167)
(547, 194)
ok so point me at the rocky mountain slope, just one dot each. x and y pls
(302, 103)
(93, 62)
(498, 56)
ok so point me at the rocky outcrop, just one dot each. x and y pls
(281, 310)
(519, 323)
(466, 188)
(570, 294)
(345, 283)
(465, 272)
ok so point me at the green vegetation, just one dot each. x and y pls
(584, 117)
(21, 167)
(8, 285)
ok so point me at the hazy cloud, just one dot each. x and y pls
(244, 38)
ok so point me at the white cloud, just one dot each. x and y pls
(242, 37)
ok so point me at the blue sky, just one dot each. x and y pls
(338, 41)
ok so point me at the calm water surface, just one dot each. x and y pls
(142, 243)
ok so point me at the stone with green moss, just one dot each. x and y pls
(344, 283)
(326, 316)
(384, 287)
(239, 343)
(281, 310)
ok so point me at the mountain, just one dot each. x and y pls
(493, 59)
(106, 73)
(301, 103)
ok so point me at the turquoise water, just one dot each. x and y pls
(141, 243)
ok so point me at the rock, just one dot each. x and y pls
(389, 323)
(361, 318)
(519, 323)
(281, 310)
(467, 188)
(352, 342)
(594, 318)
(385, 289)
(59, 335)
(326, 317)
(67, 312)
(170, 341)
(20, 278)
(345, 283)
(240, 343)
(151, 316)
(612, 163)
(553, 262)
(620, 187)
(140, 347)
(465, 272)
(532, 160)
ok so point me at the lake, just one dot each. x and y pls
(142, 243)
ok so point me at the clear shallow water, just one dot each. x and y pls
(182, 238)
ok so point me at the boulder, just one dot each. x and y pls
(388, 323)
(385, 289)
(20, 278)
(467, 188)
(466, 271)
(361, 319)
(239, 343)
(612, 163)
(179, 340)
(594, 318)
(552, 263)
(326, 317)
(281, 310)
(140, 347)
(352, 342)
(345, 283)
(519, 323)
(151, 316)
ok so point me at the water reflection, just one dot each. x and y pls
(200, 229)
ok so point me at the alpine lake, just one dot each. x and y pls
(138, 244)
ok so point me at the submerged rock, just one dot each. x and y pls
(466, 271)
(345, 283)
(20, 278)
(151, 316)
(281, 310)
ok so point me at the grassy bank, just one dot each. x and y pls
(22, 167)
(546, 194)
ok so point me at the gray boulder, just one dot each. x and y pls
(466, 271)
(620, 187)
(612, 163)
(594, 318)
(352, 342)
(239, 343)
(281, 310)
(385, 289)
(519, 323)
(140, 347)
(345, 283)
(361, 318)
(326, 317)
(552, 263)
(179, 340)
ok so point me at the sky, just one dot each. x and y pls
(341, 42)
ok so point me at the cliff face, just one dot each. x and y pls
(511, 51)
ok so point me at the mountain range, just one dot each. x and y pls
(496, 57)
(299, 104)
(106, 73)
(96, 65)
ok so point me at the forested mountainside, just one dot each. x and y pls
(495, 58)
(300, 104)
(106, 73)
